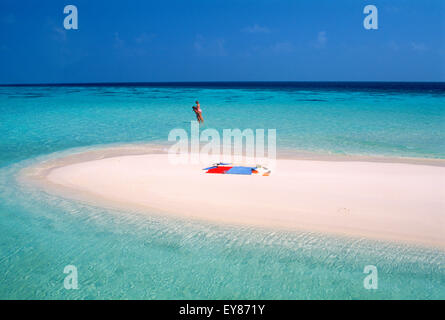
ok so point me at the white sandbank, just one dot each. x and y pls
(385, 201)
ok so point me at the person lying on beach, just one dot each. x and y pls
(198, 112)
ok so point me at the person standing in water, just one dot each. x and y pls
(198, 112)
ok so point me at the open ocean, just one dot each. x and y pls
(126, 255)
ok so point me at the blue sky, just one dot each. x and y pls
(213, 40)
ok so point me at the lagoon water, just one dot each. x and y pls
(126, 255)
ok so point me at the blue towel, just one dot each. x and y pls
(240, 170)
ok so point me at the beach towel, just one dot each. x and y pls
(219, 170)
(240, 170)
(222, 168)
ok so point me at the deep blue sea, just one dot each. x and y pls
(126, 255)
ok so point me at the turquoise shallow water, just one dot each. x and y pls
(402, 122)
(125, 255)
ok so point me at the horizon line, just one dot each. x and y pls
(207, 82)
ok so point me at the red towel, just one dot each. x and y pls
(219, 170)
